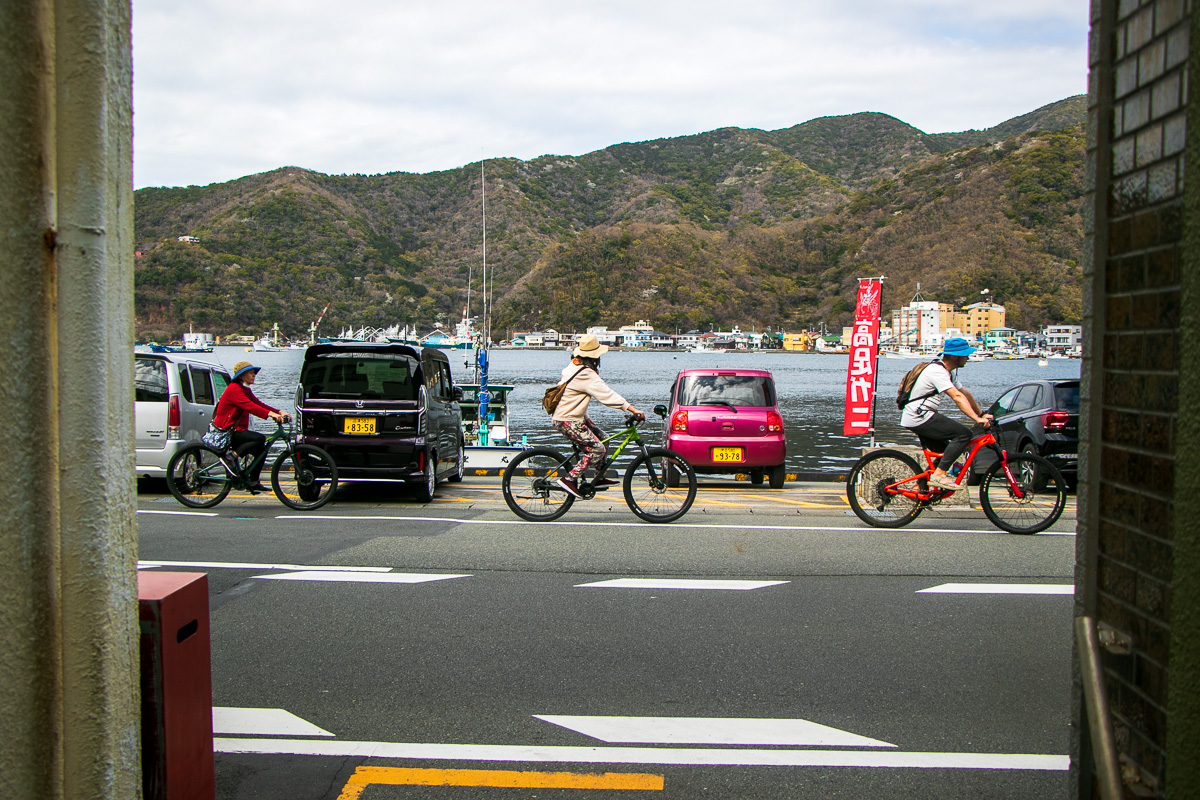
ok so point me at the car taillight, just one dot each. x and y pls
(679, 422)
(1055, 420)
(173, 417)
(774, 422)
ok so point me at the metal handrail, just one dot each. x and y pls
(1104, 748)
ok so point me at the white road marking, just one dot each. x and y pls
(247, 565)
(890, 759)
(179, 513)
(498, 522)
(711, 730)
(680, 583)
(1000, 588)
(262, 722)
(358, 577)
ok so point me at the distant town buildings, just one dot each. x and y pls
(922, 325)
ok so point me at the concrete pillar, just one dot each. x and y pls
(69, 705)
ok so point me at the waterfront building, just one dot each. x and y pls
(1064, 338)
(981, 318)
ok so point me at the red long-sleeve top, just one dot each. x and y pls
(236, 405)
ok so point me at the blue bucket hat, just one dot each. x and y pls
(957, 347)
(242, 367)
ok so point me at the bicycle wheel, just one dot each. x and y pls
(304, 478)
(529, 486)
(1031, 502)
(647, 490)
(197, 478)
(867, 489)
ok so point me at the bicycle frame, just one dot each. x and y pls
(260, 459)
(987, 439)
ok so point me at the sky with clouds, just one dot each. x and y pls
(226, 88)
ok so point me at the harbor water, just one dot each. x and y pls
(811, 391)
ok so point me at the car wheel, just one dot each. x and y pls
(461, 469)
(672, 476)
(756, 477)
(777, 476)
(1039, 480)
(428, 481)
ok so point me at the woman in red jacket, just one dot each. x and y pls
(234, 408)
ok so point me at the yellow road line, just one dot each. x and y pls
(399, 776)
(801, 503)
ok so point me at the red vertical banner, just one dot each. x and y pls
(864, 350)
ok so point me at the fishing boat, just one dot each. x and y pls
(192, 343)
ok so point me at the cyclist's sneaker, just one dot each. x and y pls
(602, 482)
(569, 486)
(257, 487)
(944, 482)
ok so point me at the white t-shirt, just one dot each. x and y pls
(935, 376)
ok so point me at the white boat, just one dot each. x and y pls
(903, 351)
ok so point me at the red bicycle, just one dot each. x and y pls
(1020, 493)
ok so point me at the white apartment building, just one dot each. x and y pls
(1063, 337)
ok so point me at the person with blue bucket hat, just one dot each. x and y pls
(936, 431)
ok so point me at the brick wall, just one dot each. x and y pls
(1139, 54)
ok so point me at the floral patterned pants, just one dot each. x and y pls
(587, 437)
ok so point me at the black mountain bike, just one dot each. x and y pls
(659, 485)
(303, 477)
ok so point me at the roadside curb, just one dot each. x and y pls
(792, 477)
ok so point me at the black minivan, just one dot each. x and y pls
(385, 412)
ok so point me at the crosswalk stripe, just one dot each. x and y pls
(359, 577)
(679, 583)
(1000, 588)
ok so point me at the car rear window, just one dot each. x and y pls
(150, 381)
(1066, 397)
(369, 376)
(732, 389)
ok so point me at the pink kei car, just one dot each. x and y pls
(727, 420)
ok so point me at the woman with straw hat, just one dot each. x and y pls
(582, 377)
(233, 410)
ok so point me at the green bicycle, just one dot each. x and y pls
(659, 485)
(303, 477)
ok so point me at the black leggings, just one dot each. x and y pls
(940, 433)
(258, 442)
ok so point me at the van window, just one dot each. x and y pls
(220, 381)
(354, 376)
(201, 385)
(732, 389)
(185, 385)
(150, 381)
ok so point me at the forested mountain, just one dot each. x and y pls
(733, 226)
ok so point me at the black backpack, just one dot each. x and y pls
(909, 381)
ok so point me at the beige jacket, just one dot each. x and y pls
(580, 391)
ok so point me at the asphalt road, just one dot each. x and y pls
(768, 645)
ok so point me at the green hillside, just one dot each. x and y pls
(734, 226)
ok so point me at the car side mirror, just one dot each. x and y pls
(661, 410)
(457, 393)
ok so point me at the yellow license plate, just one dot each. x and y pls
(733, 454)
(359, 425)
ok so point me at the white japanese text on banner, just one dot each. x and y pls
(864, 349)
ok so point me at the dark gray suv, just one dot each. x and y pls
(384, 412)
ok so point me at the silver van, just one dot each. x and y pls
(174, 400)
